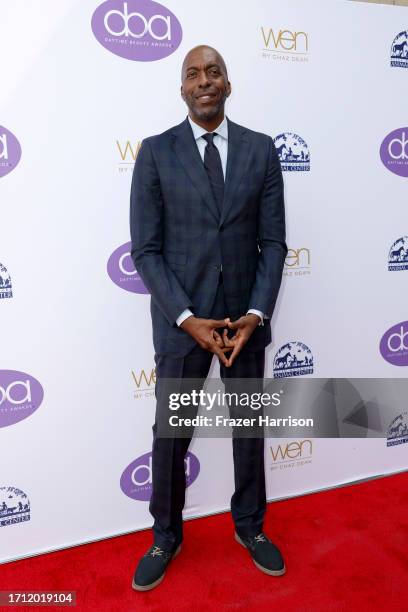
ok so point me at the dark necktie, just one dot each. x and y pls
(213, 166)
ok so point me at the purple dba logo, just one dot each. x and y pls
(136, 480)
(10, 151)
(394, 344)
(20, 396)
(394, 151)
(139, 30)
(122, 271)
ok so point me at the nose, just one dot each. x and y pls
(203, 80)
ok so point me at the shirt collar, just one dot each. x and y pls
(198, 131)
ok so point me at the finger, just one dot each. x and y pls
(213, 345)
(218, 322)
(227, 341)
(235, 336)
(220, 353)
(225, 349)
(235, 353)
(234, 324)
(218, 338)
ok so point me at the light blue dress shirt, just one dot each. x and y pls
(221, 142)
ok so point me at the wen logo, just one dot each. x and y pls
(136, 480)
(139, 30)
(20, 396)
(144, 383)
(10, 151)
(297, 262)
(285, 45)
(122, 271)
(300, 451)
(127, 155)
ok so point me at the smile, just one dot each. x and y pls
(206, 97)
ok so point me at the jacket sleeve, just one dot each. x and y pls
(146, 230)
(271, 238)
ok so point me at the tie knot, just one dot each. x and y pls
(209, 137)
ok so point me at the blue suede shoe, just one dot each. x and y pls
(152, 567)
(264, 553)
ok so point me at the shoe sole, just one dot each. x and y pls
(152, 585)
(263, 569)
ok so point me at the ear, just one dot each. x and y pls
(182, 93)
(229, 89)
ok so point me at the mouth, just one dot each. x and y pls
(207, 97)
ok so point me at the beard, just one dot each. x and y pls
(207, 112)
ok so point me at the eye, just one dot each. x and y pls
(191, 75)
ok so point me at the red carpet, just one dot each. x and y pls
(345, 549)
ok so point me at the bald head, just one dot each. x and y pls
(203, 50)
(205, 86)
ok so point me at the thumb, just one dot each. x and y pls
(233, 324)
(219, 322)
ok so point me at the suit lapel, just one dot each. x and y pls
(237, 162)
(187, 153)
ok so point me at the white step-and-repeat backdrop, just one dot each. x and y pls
(82, 83)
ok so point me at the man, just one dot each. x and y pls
(208, 239)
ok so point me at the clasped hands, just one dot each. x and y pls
(204, 332)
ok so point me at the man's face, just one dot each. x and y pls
(205, 85)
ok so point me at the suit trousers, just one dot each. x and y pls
(248, 503)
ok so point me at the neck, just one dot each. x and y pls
(211, 124)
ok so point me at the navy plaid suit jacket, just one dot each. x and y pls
(179, 240)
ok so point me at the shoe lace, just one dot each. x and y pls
(260, 538)
(156, 551)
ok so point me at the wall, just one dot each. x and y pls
(77, 368)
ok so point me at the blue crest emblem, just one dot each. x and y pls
(398, 255)
(398, 430)
(293, 152)
(293, 359)
(399, 50)
(5, 283)
(14, 506)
